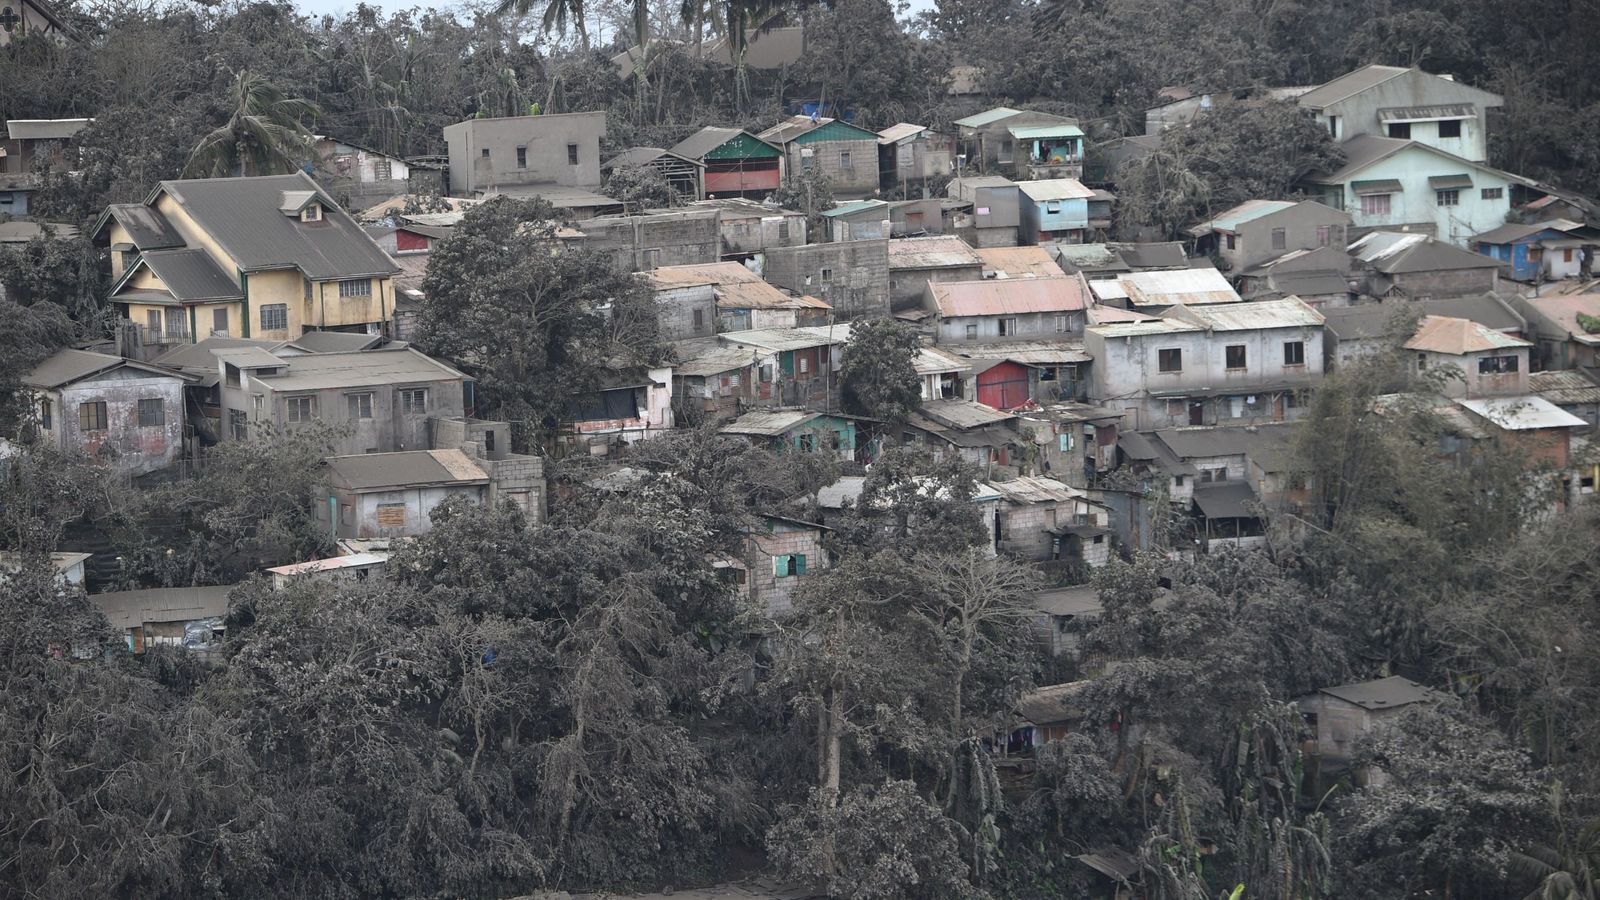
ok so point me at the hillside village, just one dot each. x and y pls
(849, 507)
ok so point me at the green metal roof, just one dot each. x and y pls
(1035, 132)
(743, 146)
(987, 117)
(836, 131)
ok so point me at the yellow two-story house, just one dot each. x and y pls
(268, 257)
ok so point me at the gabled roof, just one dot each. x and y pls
(1458, 337)
(1363, 150)
(362, 368)
(1514, 232)
(993, 297)
(778, 340)
(146, 226)
(770, 422)
(1226, 500)
(709, 138)
(1348, 85)
(1393, 253)
(798, 127)
(1231, 219)
(44, 129)
(245, 217)
(1167, 287)
(189, 275)
(852, 207)
(67, 366)
(1159, 255)
(1563, 311)
(643, 156)
(407, 468)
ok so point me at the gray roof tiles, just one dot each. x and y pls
(67, 366)
(191, 275)
(370, 471)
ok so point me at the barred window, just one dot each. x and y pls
(355, 287)
(275, 317)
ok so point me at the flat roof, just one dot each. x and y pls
(1167, 287)
(359, 368)
(1384, 693)
(1522, 413)
(996, 296)
(1055, 189)
(132, 609)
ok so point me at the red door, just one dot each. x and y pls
(1004, 387)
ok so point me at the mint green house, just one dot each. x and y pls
(845, 154)
(1405, 185)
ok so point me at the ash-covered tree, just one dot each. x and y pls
(641, 187)
(810, 193)
(536, 321)
(55, 269)
(1224, 158)
(877, 372)
(31, 335)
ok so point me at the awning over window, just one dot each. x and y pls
(1398, 114)
(1380, 186)
(1446, 182)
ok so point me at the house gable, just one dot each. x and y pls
(835, 131)
(743, 146)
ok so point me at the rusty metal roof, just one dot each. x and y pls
(996, 296)
(1020, 262)
(1165, 288)
(1458, 337)
(936, 252)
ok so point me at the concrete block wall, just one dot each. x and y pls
(852, 276)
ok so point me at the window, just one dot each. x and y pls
(788, 565)
(844, 159)
(1052, 207)
(827, 275)
(522, 157)
(44, 414)
(1324, 235)
(413, 400)
(1451, 197)
(239, 424)
(731, 575)
(275, 317)
(805, 365)
(1422, 361)
(1333, 126)
(92, 416)
(1492, 193)
(355, 287)
(1496, 365)
(1374, 204)
(391, 515)
(1235, 356)
(972, 332)
(1177, 408)
(360, 405)
(308, 291)
(152, 321)
(1063, 324)
(1280, 239)
(1170, 360)
(1566, 254)
(1294, 353)
(1212, 475)
(572, 154)
(1233, 242)
(301, 409)
(219, 321)
(1177, 481)
(766, 374)
(699, 319)
(486, 153)
(312, 213)
(1008, 326)
(808, 163)
(1401, 130)
(152, 412)
(1005, 150)
(488, 441)
(1294, 399)
(1450, 129)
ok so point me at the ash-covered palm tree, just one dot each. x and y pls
(265, 133)
(556, 14)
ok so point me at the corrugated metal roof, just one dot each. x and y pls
(1107, 315)
(1138, 329)
(770, 422)
(993, 297)
(791, 128)
(44, 129)
(1036, 489)
(318, 371)
(701, 273)
(191, 275)
(853, 207)
(954, 413)
(23, 231)
(1051, 704)
(1311, 283)
(1458, 337)
(1523, 413)
(896, 133)
(1385, 693)
(1563, 311)
(1227, 500)
(644, 156)
(1161, 255)
(1565, 387)
(937, 252)
(334, 341)
(242, 216)
(1402, 256)
(1228, 440)
(1427, 113)
(1349, 84)
(331, 564)
(707, 139)
(1165, 288)
(1055, 189)
(987, 117)
(132, 609)
(66, 366)
(250, 358)
(1020, 262)
(1289, 312)
(1248, 211)
(781, 339)
(933, 361)
(715, 361)
(1030, 353)
(370, 471)
(559, 196)
(1036, 132)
